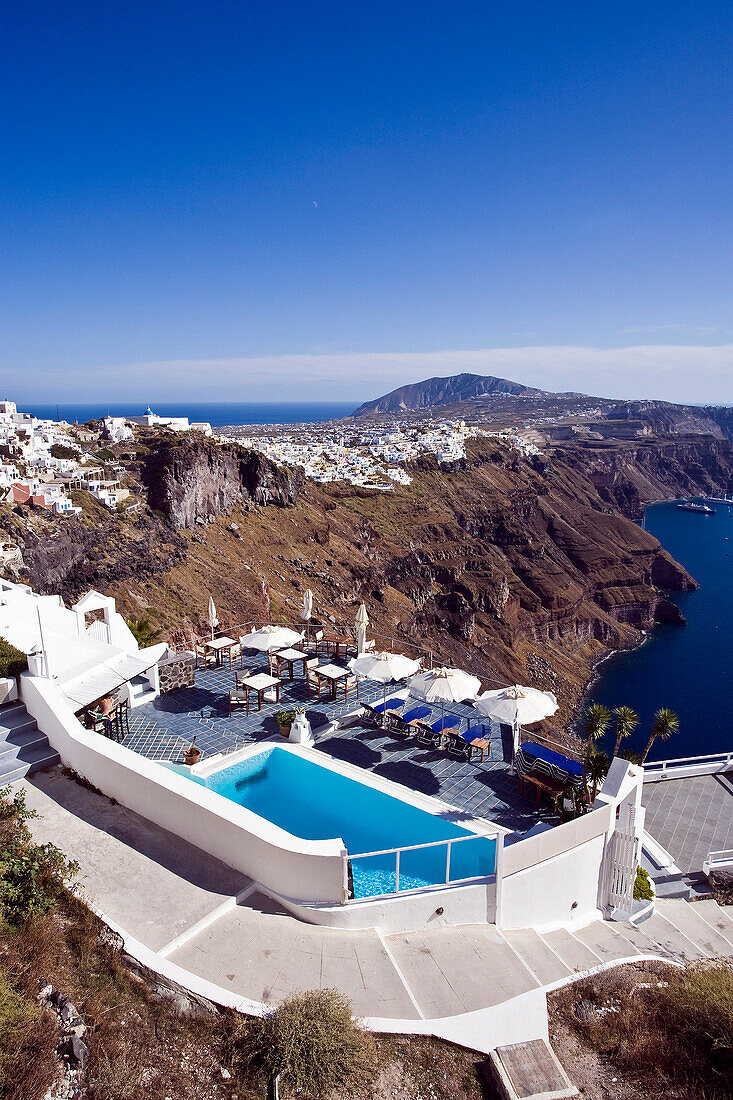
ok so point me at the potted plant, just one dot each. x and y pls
(285, 719)
(192, 754)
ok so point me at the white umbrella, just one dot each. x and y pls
(384, 667)
(362, 622)
(271, 637)
(213, 621)
(517, 706)
(307, 605)
(444, 685)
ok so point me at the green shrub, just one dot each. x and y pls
(313, 1043)
(143, 630)
(60, 450)
(643, 889)
(285, 717)
(32, 875)
(12, 661)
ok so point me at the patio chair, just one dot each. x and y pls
(382, 713)
(241, 676)
(312, 682)
(237, 698)
(349, 683)
(205, 658)
(236, 653)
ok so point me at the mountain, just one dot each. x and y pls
(444, 391)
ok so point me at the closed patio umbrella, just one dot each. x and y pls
(362, 622)
(307, 605)
(271, 637)
(444, 685)
(213, 621)
(516, 706)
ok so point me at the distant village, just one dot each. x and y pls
(43, 461)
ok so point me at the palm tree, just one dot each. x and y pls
(143, 630)
(595, 725)
(597, 765)
(665, 724)
(626, 722)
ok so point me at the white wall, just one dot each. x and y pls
(310, 871)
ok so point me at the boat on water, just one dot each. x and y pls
(701, 509)
(720, 500)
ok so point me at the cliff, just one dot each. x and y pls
(519, 569)
(190, 479)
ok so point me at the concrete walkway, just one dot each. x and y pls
(202, 917)
(691, 817)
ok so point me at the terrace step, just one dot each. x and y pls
(141, 691)
(24, 749)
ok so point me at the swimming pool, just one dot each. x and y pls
(314, 802)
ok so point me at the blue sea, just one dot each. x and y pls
(215, 413)
(688, 668)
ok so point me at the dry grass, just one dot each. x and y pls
(312, 1041)
(668, 1031)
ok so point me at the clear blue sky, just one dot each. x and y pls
(288, 188)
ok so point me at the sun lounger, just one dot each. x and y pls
(404, 720)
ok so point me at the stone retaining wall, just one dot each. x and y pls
(176, 672)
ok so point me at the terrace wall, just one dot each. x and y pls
(310, 872)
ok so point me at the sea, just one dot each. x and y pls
(217, 414)
(687, 668)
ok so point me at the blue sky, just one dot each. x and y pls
(261, 200)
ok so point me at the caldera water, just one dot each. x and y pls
(686, 668)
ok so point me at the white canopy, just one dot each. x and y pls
(271, 637)
(107, 676)
(517, 705)
(383, 667)
(444, 685)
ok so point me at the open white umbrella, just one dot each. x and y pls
(362, 622)
(444, 685)
(383, 667)
(213, 621)
(516, 706)
(271, 637)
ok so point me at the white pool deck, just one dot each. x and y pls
(184, 913)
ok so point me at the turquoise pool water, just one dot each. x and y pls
(315, 803)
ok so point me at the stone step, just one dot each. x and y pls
(536, 954)
(670, 940)
(603, 940)
(719, 916)
(692, 924)
(15, 721)
(44, 757)
(14, 743)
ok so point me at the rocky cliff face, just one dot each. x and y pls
(192, 479)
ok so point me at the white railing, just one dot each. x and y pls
(397, 852)
(718, 861)
(99, 630)
(710, 764)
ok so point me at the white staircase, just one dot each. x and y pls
(23, 748)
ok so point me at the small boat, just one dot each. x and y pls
(720, 500)
(701, 509)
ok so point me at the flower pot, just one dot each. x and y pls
(284, 729)
(191, 756)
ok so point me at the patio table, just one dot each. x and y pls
(339, 641)
(290, 657)
(221, 646)
(259, 684)
(331, 673)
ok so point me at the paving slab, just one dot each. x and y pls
(604, 942)
(669, 938)
(684, 916)
(719, 916)
(147, 880)
(466, 968)
(574, 954)
(262, 952)
(690, 817)
(542, 961)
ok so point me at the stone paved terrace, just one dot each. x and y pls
(690, 817)
(163, 729)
